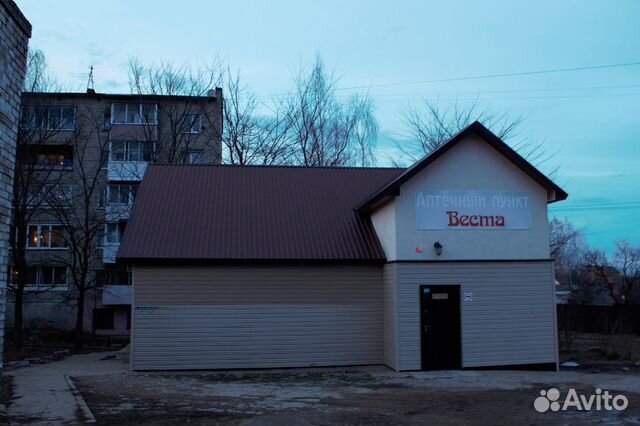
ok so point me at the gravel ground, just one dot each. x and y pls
(112, 395)
(372, 396)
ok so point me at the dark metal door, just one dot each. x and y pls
(440, 327)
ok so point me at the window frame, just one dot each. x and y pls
(31, 155)
(198, 153)
(130, 193)
(194, 118)
(140, 106)
(142, 151)
(38, 273)
(39, 197)
(119, 233)
(41, 119)
(39, 235)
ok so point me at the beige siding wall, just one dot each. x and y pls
(390, 314)
(256, 317)
(510, 321)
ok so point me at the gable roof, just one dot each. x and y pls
(194, 213)
(391, 189)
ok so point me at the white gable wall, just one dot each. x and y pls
(471, 165)
(384, 222)
(511, 319)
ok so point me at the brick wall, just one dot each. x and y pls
(15, 31)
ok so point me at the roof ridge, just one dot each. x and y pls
(266, 166)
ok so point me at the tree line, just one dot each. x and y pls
(310, 125)
(592, 275)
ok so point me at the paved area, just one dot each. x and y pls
(45, 394)
(98, 388)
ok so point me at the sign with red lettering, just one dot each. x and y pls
(465, 210)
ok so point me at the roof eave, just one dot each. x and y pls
(392, 189)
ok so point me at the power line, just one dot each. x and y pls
(478, 92)
(501, 75)
(601, 206)
(481, 77)
(512, 98)
(614, 203)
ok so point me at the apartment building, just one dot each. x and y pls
(81, 157)
(15, 32)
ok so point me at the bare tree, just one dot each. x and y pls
(325, 130)
(627, 260)
(599, 272)
(167, 129)
(37, 179)
(429, 124)
(83, 225)
(37, 76)
(252, 138)
(566, 243)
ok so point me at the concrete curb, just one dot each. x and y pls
(80, 402)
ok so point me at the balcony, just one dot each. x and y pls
(117, 212)
(126, 170)
(109, 252)
(116, 295)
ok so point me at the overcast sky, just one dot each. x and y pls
(589, 118)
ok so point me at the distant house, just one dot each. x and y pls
(441, 265)
(564, 294)
(64, 136)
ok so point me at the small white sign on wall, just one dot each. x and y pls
(467, 296)
(467, 210)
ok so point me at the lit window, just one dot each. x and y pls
(47, 156)
(46, 237)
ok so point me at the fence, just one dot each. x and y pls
(616, 319)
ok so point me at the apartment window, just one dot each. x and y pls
(122, 194)
(49, 117)
(195, 157)
(129, 151)
(50, 194)
(102, 201)
(46, 237)
(47, 156)
(61, 118)
(113, 275)
(192, 123)
(114, 232)
(133, 113)
(44, 276)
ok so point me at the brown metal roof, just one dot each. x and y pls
(231, 213)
